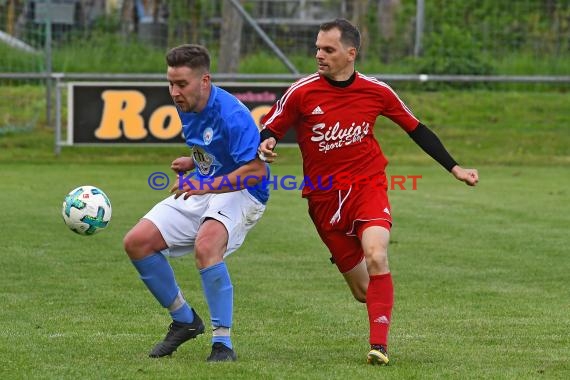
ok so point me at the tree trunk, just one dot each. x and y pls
(11, 16)
(387, 10)
(230, 39)
(128, 17)
(359, 19)
(195, 23)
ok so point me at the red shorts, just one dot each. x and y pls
(362, 208)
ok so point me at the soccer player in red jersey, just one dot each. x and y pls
(333, 112)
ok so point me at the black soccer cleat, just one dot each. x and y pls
(177, 334)
(221, 353)
(377, 355)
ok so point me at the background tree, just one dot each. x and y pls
(230, 38)
(359, 13)
(387, 12)
(9, 9)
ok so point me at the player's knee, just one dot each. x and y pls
(358, 287)
(203, 247)
(128, 242)
(359, 295)
(376, 267)
(378, 250)
(211, 244)
(376, 260)
(133, 245)
(357, 280)
(207, 252)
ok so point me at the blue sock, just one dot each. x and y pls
(225, 340)
(219, 294)
(183, 314)
(157, 274)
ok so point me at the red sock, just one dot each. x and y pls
(379, 302)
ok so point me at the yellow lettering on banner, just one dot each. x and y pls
(157, 123)
(258, 112)
(122, 108)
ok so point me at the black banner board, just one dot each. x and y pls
(143, 113)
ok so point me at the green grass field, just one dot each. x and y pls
(481, 274)
(481, 281)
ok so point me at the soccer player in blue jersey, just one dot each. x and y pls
(212, 208)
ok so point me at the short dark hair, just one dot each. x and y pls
(349, 34)
(189, 55)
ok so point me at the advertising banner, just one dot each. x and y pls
(143, 113)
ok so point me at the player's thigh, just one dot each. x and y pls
(238, 211)
(178, 220)
(211, 243)
(143, 239)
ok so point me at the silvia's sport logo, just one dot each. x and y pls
(335, 136)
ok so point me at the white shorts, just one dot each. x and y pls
(178, 220)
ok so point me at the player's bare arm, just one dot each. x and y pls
(245, 176)
(182, 164)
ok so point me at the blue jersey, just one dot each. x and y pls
(223, 137)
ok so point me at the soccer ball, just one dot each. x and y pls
(86, 210)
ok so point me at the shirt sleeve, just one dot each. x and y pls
(243, 137)
(283, 114)
(395, 109)
(432, 145)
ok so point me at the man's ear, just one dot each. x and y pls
(352, 54)
(206, 80)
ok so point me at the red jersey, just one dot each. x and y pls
(335, 126)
